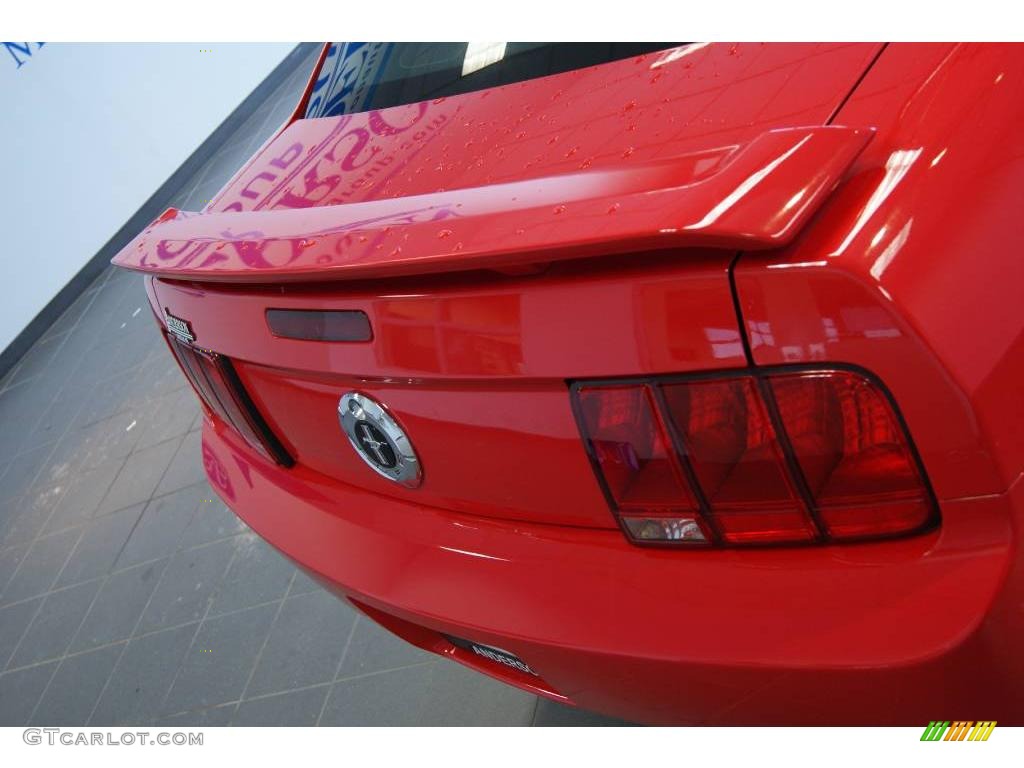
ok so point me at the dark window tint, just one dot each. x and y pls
(357, 77)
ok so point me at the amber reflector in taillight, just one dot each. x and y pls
(772, 458)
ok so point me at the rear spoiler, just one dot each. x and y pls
(752, 196)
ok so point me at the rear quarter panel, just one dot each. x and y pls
(913, 268)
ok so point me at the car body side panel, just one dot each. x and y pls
(913, 268)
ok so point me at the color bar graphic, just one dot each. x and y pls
(959, 730)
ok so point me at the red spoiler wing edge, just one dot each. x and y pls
(753, 196)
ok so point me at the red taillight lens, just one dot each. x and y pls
(216, 382)
(643, 480)
(853, 454)
(730, 441)
(630, 445)
(775, 458)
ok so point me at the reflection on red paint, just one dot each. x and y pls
(217, 473)
(511, 243)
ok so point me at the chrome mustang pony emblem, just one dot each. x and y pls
(378, 439)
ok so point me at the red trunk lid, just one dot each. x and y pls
(502, 242)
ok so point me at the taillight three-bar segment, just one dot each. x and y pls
(783, 456)
(764, 456)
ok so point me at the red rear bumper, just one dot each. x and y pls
(892, 632)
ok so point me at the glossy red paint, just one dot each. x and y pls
(757, 195)
(850, 634)
(696, 146)
(905, 274)
(888, 244)
(475, 369)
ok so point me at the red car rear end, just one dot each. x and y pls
(683, 386)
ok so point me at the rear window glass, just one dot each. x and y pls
(357, 77)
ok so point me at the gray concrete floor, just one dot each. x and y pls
(129, 595)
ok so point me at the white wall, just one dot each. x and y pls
(88, 133)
